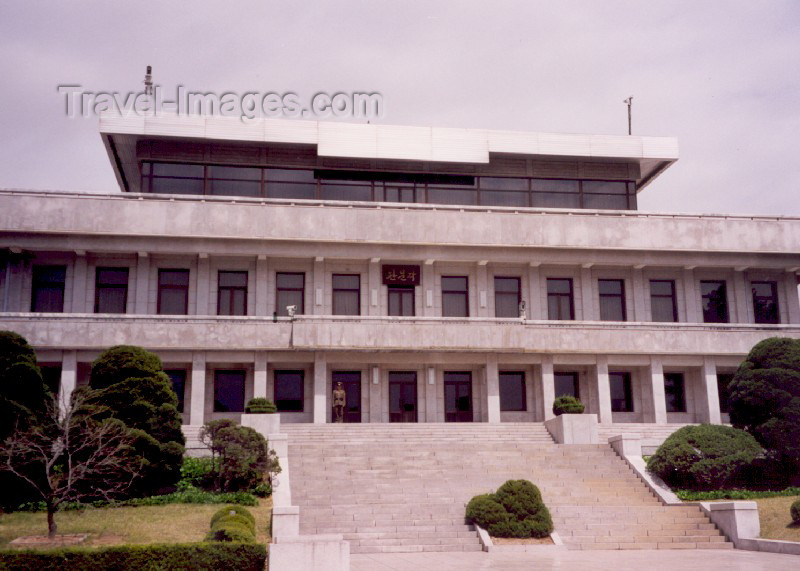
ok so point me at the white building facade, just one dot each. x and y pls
(439, 274)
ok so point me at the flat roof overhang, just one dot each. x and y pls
(388, 142)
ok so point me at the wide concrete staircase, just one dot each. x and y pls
(400, 488)
(652, 435)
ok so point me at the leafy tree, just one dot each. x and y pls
(765, 399)
(132, 386)
(73, 453)
(240, 455)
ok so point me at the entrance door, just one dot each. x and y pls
(402, 397)
(351, 383)
(458, 397)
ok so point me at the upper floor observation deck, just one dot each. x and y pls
(313, 160)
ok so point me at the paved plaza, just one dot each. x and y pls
(559, 558)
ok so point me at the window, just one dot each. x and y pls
(111, 290)
(559, 299)
(171, 178)
(178, 378)
(765, 302)
(48, 289)
(232, 293)
(51, 375)
(715, 301)
(506, 297)
(675, 392)
(290, 289)
(401, 300)
(289, 391)
(662, 300)
(234, 181)
(724, 391)
(512, 391)
(621, 393)
(173, 292)
(346, 294)
(566, 384)
(612, 300)
(229, 391)
(455, 301)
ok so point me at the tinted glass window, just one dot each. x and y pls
(401, 300)
(512, 391)
(289, 391)
(229, 391)
(765, 302)
(559, 299)
(715, 301)
(455, 302)
(723, 389)
(612, 300)
(111, 290)
(232, 293)
(178, 379)
(290, 290)
(346, 294)
(173, 292)
(47, 294)
(621, 393)
(674, 392)
(506, 297)
(662, 300)
(566, 384)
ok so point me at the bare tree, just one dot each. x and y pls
(72, 453)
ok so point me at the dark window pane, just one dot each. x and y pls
(765, 302)
(605, 201)
(454, 283)
(566, 384)
(605, 187)
(621, 394)
(47, 294)
(401, 301)
(173, 292)
(554, 200)
(506, 297)
(345, 192)
(173, 277)
(177, 186)
(724, 391)
(167, 169)
(290, 175)
(232, 279)
(512, 391)
(51, 375)
(232, 293)
(178, 378)
(111, 290)
(235, 173)
(455, 302)
(290, 290)
(559, 299)
(612, 300)
(715, 301)
(452, 196)
(346, 294)
(674, 392)
(503, 198)
(546, 185)
(234, 187)
(496, 183)
(662, 300)
(229, 391)
(291, 190)
(289, 391)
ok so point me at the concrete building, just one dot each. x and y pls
(439, 274)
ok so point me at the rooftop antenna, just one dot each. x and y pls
(148, 81)
(628, 102)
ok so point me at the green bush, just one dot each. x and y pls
(567, 405)
(190, 495)
(234, 510)
(515, 510)
(260, 405)
(232, 523)
(704, 457)
(240, 556)
(693, 496)
(130, 382)
(765, 400)
(197, 472)
(794, 510)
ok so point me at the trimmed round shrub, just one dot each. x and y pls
(794, 510)
(704, 457)
(231, 532)
(485, 511)
(260, 405)
(567, 405)
(516, 510)
(234, 511)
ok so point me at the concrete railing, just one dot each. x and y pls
(573, 428)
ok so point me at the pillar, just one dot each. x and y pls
(374, 285)
(639, 295)
(603, 391)
(262, 278)
(203, 303)
(375, 401)
(534, 301)
(318, 293)
(655, 390)
(690, 297)
(260, 375)
(548, 387)
(492, 390)
(482, 287)
(792, 299)
(69, 378)
(740, 295)
(197, 403)
(79, 281)
(142, 284)
(428, 285)
(587, 294)
(430, 395)
(709, 405)
(320, 388)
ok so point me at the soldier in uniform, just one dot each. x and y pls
(339, 397)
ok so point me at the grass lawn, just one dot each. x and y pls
(172, 523)
(776, 523)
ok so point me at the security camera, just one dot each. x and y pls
(291, 309)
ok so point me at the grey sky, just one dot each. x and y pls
(722, 77)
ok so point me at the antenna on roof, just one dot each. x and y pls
(628, 102)
(148, 81)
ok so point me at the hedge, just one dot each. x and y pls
(695, 496)
(259, 405)
(567, 405)
(156, 557)
(232, 523)
(794, 511)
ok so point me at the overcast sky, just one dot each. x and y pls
(721, 76)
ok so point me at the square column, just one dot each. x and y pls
(197, 403)
(203, 303)
(740, 294)
(374, 285)
(260, 375)
(320, 388)
(533, 302)
(262, 308)
(655, 391)
(428, 289)
(639, 294)
(492, 390)
(690, 296)
(79, 282)
(375, 400)
(587, 293)
(142, 286)
(604, 414)
(69, 378)
(430, 395)
(548, 388)
(709, 405)
(318, 288)
(482, 289)
(792, 298)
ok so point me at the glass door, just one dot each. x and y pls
(458, 397)
(351, 384)
(402, 397)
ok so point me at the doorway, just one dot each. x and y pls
(351, 383)
(402, 396)
(458, 397)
